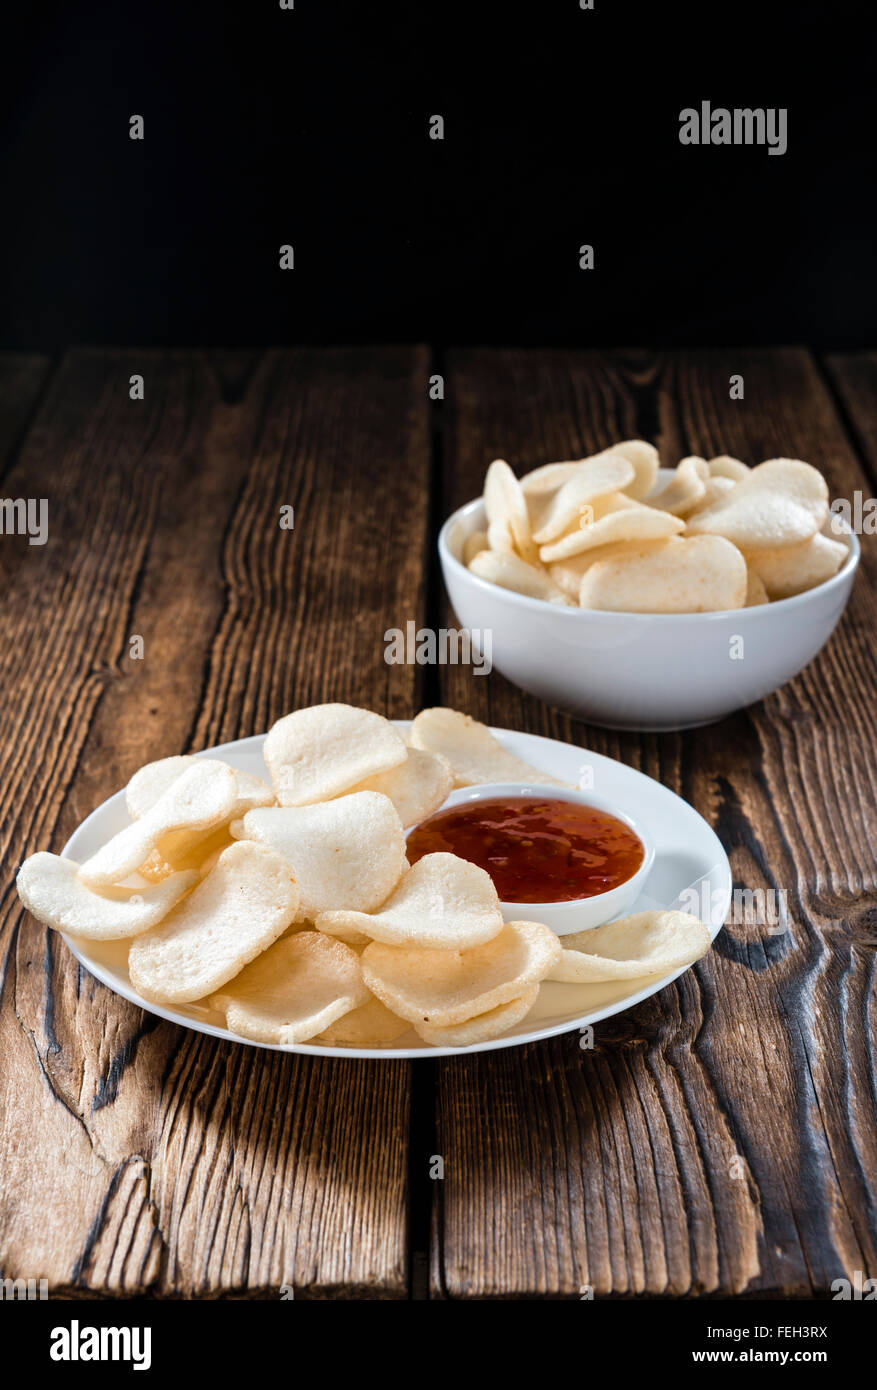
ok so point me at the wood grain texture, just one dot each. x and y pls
(721, 1137)
(854, 378)
(718, 1139)
(23, 376)
(136, 1156)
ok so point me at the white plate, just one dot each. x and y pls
(691, 870)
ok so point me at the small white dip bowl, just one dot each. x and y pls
(581, 913)
(642, 670)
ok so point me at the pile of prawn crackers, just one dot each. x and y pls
(291, 909)
(718, 535)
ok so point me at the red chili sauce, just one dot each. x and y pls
(535, 850)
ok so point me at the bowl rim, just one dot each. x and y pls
(759, 613)
(582, 796)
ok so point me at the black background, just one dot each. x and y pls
(310, 127)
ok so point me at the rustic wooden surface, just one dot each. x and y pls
(134, 1155)
(719, 1139)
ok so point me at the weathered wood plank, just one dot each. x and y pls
(135, 1155)
(22, 376)
(721, 1137)
(854, 377)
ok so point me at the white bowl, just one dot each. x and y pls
(581, 913)
(642, 670)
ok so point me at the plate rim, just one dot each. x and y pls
(104, 977)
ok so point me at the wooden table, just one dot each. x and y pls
(719, 1139)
